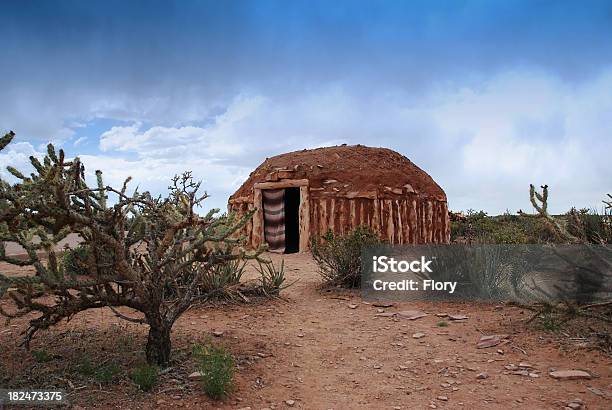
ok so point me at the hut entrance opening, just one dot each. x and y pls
(282, 219)
(292, 220)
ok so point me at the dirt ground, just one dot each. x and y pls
(317, 350)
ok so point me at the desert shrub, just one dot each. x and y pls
(145, 252)
(74, 260)
(483, 272)
(42, 356)
(339, 256)
(216, 366)
(480, 228)
(589, 226)
(272, 279)
(106, 373)
(145, 377)
(219, 278)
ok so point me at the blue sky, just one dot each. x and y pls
(486, 96)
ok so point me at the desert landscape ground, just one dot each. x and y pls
(319, 349)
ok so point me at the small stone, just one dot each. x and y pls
(445, 385)
(352, 306)
(411, 314)
(195, 376)
(482, 376)
(290, 403)
(569, 374)
(383, 304)
(418, 335)
(490, 341)
(525, 365)
(300, 335)
(574, 406)
(511, 367)
(217, 333)
(443, 398)
(457, 317)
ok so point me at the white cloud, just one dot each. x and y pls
(483, 144)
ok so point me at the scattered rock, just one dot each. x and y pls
(290, 403)
(217, 333)
(383, 304)
(482, 376)
(418, 335)
(491, 340)
(443, 398)
(457, 317)
(599, 392)
(195, 376)
(411, 314)
(352, 306)
(575, 404)
(570, 374)
(511, 367)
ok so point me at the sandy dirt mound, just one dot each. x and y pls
(348, 168)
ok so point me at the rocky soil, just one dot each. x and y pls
(327, 350)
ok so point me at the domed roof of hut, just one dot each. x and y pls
(347, 169)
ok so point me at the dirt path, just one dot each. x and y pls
(318, 352)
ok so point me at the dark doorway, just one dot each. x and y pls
(292, 220)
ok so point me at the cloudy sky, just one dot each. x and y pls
(486, 96)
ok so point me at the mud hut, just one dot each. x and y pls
(302, 194)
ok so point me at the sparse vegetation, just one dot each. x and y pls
(216, 366)
(74, 260)
(145, 377)
(42, 356)
(272, 279)
(339, 256)
(218, 280)
(442, 323)
(148, 254)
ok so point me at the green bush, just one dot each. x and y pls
(106, 373)
(42, 356)
(145, 377)
(339, 256)
(219, 277)
(216, 366)
(589, 226)
(272, 279)
(74, 260)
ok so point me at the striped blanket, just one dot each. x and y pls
(274, 219)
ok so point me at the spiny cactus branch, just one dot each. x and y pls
(145, 253)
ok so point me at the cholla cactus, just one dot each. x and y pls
(540, 203)
(144, 253)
